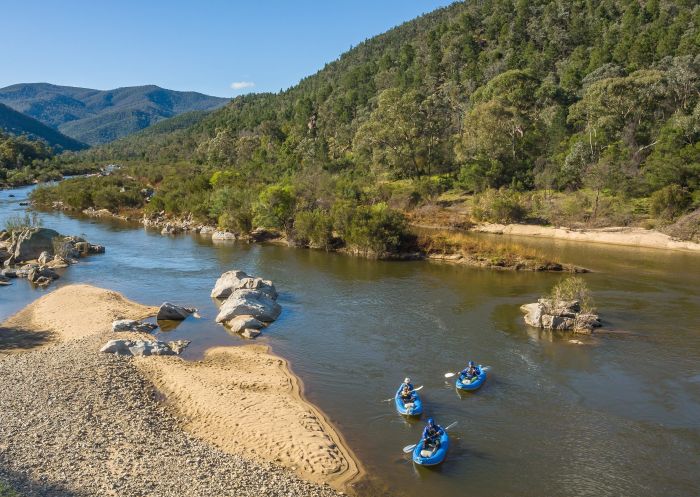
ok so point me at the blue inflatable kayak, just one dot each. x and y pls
(414, 408)
(431, 458)
(474, 384)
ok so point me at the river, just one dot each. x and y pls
(617, 415)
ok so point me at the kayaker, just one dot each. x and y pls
(406, 393)
(407, 383)
(470, 372)
(431, 435)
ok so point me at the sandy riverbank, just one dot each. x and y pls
(634, 237)
(239, 405)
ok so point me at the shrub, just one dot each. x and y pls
(574, 288)
(314, 228)
(498, 206)
(376, 229)
(20, 222)
(670, 202)
(275, 207)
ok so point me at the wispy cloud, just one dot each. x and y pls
(242, 85)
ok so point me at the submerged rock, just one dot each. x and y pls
(173, 312)
(559, 315)
(234, 280)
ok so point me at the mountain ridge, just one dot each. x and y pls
(16, 123)
(100, 116)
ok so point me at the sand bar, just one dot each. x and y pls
(242, 401)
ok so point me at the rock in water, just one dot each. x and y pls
(31, 242)
(249, 303)
(172, 312)
(234, 280)
(559, 315)
(133, 325)
(240, 323)
(250, 333)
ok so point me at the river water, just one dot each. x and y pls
(617, 415)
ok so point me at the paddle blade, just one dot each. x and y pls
(449, 375)
(416, 389)
(451, 426)
(409, 448)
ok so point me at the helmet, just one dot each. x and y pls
(471, 363)
(407, 380)
(431, 421)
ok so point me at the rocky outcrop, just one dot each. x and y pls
(559, 315)
(28, 244)
(144, 347)
(250, 303)
(35, 253)
(172, 312)
(133, 325)
(234, 280)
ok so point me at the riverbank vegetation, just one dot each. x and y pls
(24, 160)
(552, 113)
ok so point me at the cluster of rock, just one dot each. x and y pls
(249, 303)
(35, 254)
(144, 347)
(560, 315)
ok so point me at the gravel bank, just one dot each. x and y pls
(74, 422)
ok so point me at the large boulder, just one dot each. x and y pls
(234, 280)
(31, 242)
(173, 312)
(249, 303)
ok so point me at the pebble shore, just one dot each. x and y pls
(76, 423)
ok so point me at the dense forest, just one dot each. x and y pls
(578, 110)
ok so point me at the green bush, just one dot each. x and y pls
(670, 202)
(314, 228)
(374, 229)
(499, 206)
(275, 207)
(574, 288)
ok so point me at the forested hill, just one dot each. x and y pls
(499, 92)
(95, 116)
(16, 123)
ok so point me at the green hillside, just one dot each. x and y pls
(518, 103)
(95, 116)
(16, 123)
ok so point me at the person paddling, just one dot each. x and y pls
(470, 372)
(407, 390)
(431, 435)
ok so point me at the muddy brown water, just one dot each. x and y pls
(616, 415)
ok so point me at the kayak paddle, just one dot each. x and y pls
(409, 448)
(415, 390)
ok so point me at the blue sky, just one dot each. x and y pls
(205, 46)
